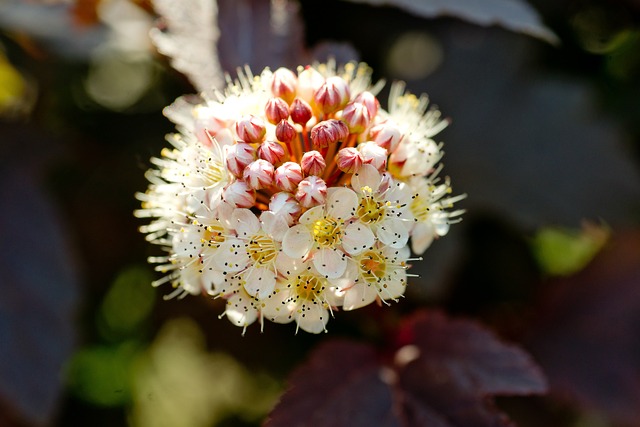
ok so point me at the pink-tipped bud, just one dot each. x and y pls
(288, 176)
(238, 156)
(356, 116)
(387, 135)
(370, 101)
(349, 160)
(259, 174)
(239, 195)
(300, 111)
(309, 81)
(251, 129)
(285, 131)
(284, 84)
(328, 132)
(285, 205)
(312, 191)
(276, 109)
(332, 95)
(271, 151)
(374, 155)
(312, 163)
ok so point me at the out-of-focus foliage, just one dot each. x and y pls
(177, 383)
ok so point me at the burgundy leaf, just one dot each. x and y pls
(588, 340)
(443, 375)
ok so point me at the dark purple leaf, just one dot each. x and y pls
(588, 339)
(444, 374)
(38, 290)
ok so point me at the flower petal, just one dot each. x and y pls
(274, 225)
(367, 176)
(259, 282)
(393, 232)
(240, 310)
(421, 237)
(312, 215)
(342, 203)
(315, 318)
(297, 241)
(330, 263)
(359, 295)
(357, 238)
(245, 222)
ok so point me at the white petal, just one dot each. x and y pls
(274, 225)
(239, 310)
(231, 256)
(342, 203)
(395, 284)
(357, 238)
(367, 176)
(297, 241)
(330, 263)
(359, 295)
(245, 222)
(314, 320)
(421, 238)
(285, 265)
(393, 232)
(277, 307)
(312, 215)
(259, 282)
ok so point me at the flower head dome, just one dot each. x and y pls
(292, 194)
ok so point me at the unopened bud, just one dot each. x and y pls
(370, 101)
(271, 151)
(300, 111)
(285, 131)
(356, 116)
(259, 174)
(312, 191)
(332, 95)
(349, 160)
(251, 129)
(309, 81)
(276, 109)
(288, 176)
(284, 84)
(312, 163)
(238, 156)
(285, 205)
(386, 134)
(239, 195)
(328, 132)
(374, 155)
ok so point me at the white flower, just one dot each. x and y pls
(302, 295)
(290, 195)
(429, 205)
(379, 272)
(382, 205)
(329, 234)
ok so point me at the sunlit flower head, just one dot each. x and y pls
(293, 194)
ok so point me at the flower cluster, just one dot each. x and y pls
(291, 195)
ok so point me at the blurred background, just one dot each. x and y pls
(544, 99)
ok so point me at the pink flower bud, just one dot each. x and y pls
(349, 160)
(259, 174)
(374, 155)
(356, 116)
(309, 81)
(312, 191)
(312, 163)
(271, 151)
(238, 156)
(276, 109)
(387, 135)
(251, 129)
(328, 132)
(285, 205)
(369, 101)
(288, 176)
(284, 84)
(332, 95)
(285, 131)
(300, 111)
(239, 195)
